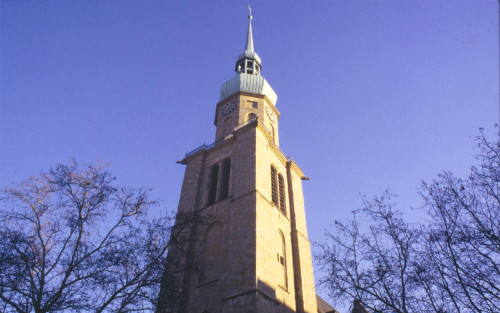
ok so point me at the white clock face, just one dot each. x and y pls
(229, 107)
(270, 114)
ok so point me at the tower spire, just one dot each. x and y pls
(248, 61)
(249, 45)
(248, 66)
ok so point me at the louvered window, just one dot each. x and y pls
(214, 176)
(274, 191)
(281, 186)
(282, 261)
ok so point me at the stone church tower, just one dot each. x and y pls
(249, 252)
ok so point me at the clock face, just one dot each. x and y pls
(270, 114)
(229, 107)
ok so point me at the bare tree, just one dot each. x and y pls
(448, 263)
(72, 241)
(373, 262)
(463, 233)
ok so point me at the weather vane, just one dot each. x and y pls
(250, 10)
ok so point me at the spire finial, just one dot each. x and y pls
(249, 44)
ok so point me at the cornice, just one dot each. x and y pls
(296, 168)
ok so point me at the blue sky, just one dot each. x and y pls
(372, 94)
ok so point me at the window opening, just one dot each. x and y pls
(274, 194)
(214, 175)
(255, 105)
(251, 116)
(227, 127)
(213, 253)
(224, 187)
(282, 261)
(271, 130)
(281, 186)
(249, 67)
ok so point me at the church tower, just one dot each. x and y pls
(248, 250)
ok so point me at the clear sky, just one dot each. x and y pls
(372, 94)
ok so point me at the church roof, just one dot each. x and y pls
(248, 83)
(324, 307)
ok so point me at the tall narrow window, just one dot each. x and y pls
(241, 66)
(281, 186)
(213, 253)
(227, 126)
(249, 67)
(226, 171)
(274, 193)
(282, 261)
(214, 176)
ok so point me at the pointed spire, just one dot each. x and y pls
(248, 79)
(248, 62)
(249, 45)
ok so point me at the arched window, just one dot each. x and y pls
(278, 196)
(282, 261)
(281, 187)
(213, 253)
(271, 130)
(274, 191)
(227, 126)
(251, 116)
